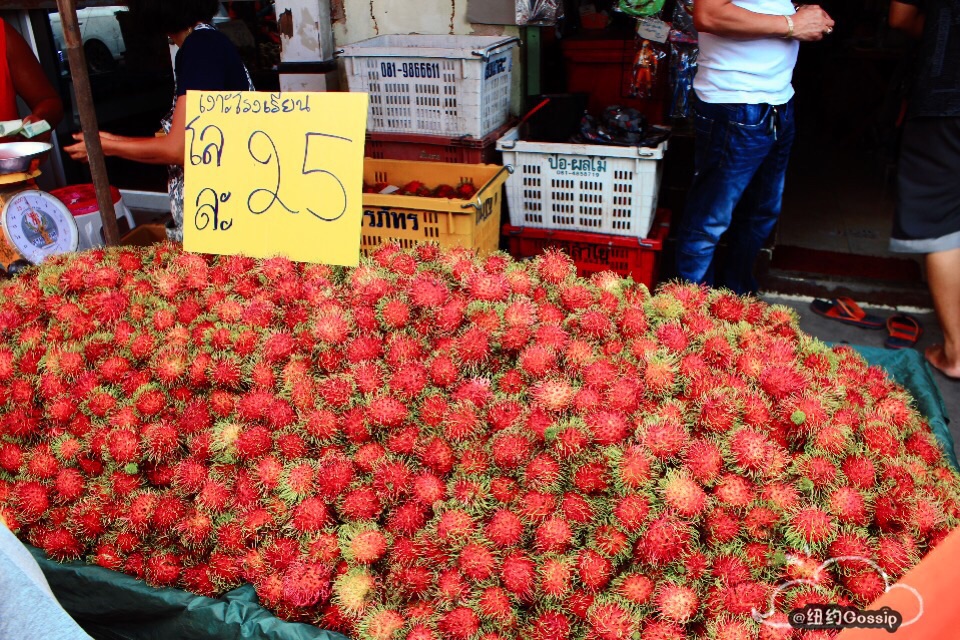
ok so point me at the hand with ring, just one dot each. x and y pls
(811, 23)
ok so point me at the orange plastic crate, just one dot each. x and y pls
(593, 252)
(411, 220)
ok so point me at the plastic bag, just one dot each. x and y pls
(620, 126)
(640, 8)
(539, 12)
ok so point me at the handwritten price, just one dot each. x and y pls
(208, 146)
(266, 174)
(210, 211)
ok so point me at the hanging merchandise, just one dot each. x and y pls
(640, 8)
(683, 20)
(646, 67)
(684, 51)
(683, 66)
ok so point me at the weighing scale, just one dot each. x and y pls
(34, 224)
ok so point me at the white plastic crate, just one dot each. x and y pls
(433, 85)
(582, 187)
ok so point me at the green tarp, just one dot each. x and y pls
(911, 371)
(114, 606)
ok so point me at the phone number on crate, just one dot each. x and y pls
(410, 70)
(579, 174)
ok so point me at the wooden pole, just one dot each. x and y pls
(88, 118)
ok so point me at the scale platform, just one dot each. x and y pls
(17, 178)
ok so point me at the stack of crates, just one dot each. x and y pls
(434, 100)
(596, 202)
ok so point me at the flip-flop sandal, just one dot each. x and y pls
(847, 311)
(904, 331)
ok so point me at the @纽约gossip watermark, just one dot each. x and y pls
(828, 617)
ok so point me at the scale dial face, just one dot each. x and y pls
(38, 225)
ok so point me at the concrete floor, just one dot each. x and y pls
(834, 331)
(843, 204)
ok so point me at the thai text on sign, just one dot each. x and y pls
(275, 174)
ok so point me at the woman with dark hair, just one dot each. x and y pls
(206, 61)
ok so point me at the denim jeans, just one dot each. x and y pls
(741, 154)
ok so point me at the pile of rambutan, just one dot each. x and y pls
(436, 445)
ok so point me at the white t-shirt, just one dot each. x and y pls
(751, 71)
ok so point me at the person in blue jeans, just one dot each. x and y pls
(744, 131)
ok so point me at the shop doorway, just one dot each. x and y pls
(839, 200)
(841, 187)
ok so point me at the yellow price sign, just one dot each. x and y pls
(270, 174)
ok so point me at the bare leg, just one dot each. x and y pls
(943, 276)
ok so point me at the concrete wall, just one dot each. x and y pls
(360, 19)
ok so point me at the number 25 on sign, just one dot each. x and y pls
(275, 174)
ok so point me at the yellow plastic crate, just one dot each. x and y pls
(412, 220)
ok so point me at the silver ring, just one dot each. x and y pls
(828, 30)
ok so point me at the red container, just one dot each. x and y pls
(81, 199)
(604, 69)
(594, 252)
(462, 150)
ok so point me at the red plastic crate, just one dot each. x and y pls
(603, 68)
(594, 252)
(461, 150)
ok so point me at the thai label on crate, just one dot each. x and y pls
(410, 220)
(409, 69)
(485, 210)
(497, 66)
(598, 254)
(580, 166)
(390, 219)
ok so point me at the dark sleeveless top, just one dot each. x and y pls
(936, 92)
